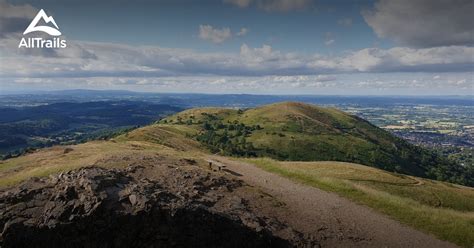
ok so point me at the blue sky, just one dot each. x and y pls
(176, 23)
(245, 46)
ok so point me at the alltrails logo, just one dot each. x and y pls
(39, 42)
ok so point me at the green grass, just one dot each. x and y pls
(291, 131)
(445, 210)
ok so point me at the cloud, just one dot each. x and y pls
(423, 23)
(273, 5)
(205, 84)
(403, 59)
(328, 39)
(329, 42)
(99, 59)
(346, 22)
(242, 32)
(251, 69)
(17, 11)
(240, 3)
(15, 18)
(359, 83)
(214, 35)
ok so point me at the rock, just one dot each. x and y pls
(132, 199)
(89, 208)
(68, 150)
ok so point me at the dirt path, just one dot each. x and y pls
(333, 220)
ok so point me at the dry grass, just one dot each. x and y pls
(166, 142)
(198, 114)
(172, 136)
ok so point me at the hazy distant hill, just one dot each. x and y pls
(303, 132)
(56, 123)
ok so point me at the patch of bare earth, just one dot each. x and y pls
(327, 218)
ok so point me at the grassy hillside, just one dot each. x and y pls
(303, 132)
(147, 145)
(444, 209)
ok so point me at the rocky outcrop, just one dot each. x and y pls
(96, 207)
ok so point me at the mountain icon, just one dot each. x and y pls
(47, 19)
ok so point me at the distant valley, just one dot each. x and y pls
(26, 128)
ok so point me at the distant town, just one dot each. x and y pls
(448, 129)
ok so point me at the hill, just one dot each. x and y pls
(170, 160)
(303, 132)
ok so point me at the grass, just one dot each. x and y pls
(172, 136)
(443, 209)
(302, 132)
(153, 143)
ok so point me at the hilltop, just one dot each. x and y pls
(303, 132)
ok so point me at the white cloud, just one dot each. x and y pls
(242, 32)
(93, 59)
(453, 58)
(329, 39)
(346, 22)
(329, 42)
(358, 83)
(207, 84)
(273, 5)
(19, 11)
(15, 18)
(423, 23)
(215, 35)
(240, 3)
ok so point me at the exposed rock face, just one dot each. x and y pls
(96, 207)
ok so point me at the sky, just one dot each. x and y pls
(360, 47)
